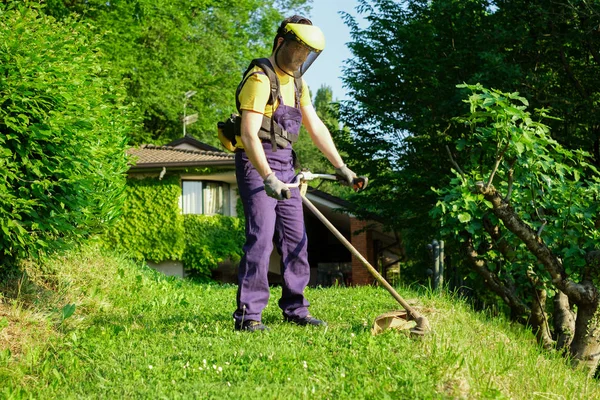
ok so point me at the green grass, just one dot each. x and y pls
(137, 334)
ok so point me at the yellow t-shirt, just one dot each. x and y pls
(257, 89)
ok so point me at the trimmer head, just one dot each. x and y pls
(400, 320)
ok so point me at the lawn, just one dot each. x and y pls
(137, 334)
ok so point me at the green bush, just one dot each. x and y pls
(151, 225)
(152, 228)
(212, 239)
(62, 135)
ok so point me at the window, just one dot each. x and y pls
(205, 197)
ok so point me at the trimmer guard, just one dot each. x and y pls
(396, 320)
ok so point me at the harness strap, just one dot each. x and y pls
(273, 131)
(298, 88)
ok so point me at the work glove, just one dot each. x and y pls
(275, 188)
(345, 175)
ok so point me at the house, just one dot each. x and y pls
(215, 192)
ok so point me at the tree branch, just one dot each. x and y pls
(495, 284)
(503, 246)
(511, 173)
(584, 293)
(498, 160)
(454, 162)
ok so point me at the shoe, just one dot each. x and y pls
(250, 326)
(308, 320)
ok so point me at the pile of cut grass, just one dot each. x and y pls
(138, 334)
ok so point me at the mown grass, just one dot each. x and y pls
(137, 334)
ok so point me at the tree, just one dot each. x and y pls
(402, 80)
(525, 210)
(164, 48)
(63, 128)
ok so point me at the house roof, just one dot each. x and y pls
(151, 156)
(329, 197)
(192, 141)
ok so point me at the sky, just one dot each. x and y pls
(327, 69)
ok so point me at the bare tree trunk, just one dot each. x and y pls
(585, 348)
(539, 319)
(564, 321)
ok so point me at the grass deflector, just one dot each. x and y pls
(388, 320)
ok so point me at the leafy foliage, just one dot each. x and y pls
(550, 201)
(63, 130)
(212, 239)
(553, 189)
(408, 59)
(164, 48)
(153, 228)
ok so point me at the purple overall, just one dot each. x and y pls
(269, 220)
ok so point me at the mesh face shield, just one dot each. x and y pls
(306, 41)
(309, 60)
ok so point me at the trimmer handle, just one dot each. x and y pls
(360, 183)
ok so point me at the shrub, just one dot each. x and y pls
(152, 228)
(62, 135)
(212, 239)
(151, 225)
(525, 210)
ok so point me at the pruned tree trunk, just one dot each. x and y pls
(585, 348)
(564, 321)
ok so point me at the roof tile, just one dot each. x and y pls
(151, 156)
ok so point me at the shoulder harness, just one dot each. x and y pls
(269, 129)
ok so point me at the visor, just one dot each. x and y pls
(309, 60)
(310, 37)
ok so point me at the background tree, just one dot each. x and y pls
(163, 48)
(63, 130)
(410, 56)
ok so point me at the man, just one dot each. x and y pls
(273, 211)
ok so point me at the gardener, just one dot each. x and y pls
(265, 164)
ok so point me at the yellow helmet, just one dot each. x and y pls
(309, 35)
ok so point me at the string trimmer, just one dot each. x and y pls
(359, 183)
